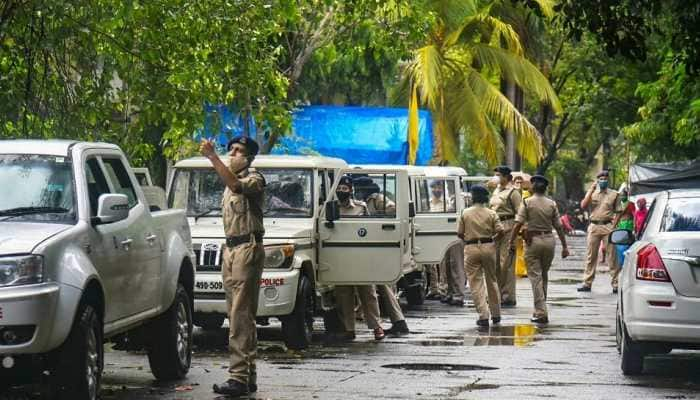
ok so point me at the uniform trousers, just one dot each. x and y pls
(598, 234)
(345, 299)
(506, 263)
(242, 268)
(456, 279)
(539, 254)
(480, 266)
(390, 303)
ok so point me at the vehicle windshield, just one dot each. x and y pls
(288, 193)
(682, 215)
(38, 188)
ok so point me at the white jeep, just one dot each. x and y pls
(306, 254)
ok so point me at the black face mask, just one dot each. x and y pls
(342, 196)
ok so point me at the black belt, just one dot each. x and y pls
(539, 233)
(601, 222)
(233, 241)
(478, 241)
(506, 217)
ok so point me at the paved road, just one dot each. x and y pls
(445, 357)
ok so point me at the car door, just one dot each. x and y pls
(366, 249)
(439, 204)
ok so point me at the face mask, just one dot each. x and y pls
(623, 199)
(342, 196)
(237, 164)
(603, 185)
(437, 194)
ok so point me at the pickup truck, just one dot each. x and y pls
(308, 250)
(83, 260)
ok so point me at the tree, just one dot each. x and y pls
(465, 52)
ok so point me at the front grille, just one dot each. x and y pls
(16, 334)
(209, 257)
(210, 296)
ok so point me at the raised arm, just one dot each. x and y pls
(230, 180)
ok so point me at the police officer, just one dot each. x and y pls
(540, 214)
(345, 295)
(505, 201)
(479, 228)
(604, 205)
(437, 272)
(379, 205)
(243, 258)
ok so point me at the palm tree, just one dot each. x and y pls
(457, 72)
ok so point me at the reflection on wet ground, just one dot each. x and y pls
(439, 367)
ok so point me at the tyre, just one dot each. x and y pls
(170, 353)
(78, 368)
(297, 327)
(415, 295)
(209, 322)
(632, 354)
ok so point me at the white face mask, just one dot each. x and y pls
(496, 180)
(237, 164)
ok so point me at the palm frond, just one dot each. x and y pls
(498, 31)
(497, 106)
(519, 70)
(426, 73)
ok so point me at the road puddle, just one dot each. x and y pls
(521, 335)
(438, 367)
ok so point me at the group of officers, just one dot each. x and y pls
(488, 229)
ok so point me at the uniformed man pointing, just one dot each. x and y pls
(243, 259)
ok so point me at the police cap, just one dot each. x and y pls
(361, 181)
(345, 180)
(603, 174)
(539, 178)
(503, 170)
(251, 145)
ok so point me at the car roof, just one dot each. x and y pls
(272, 161)
(680, 193)
(415, 170)
(53, 147)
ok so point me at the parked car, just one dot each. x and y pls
(83, 260)
(658, 306)
(306, 254)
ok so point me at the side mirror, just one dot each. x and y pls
(622, 236)
(411, 209)
(111, 208)
(332, 211)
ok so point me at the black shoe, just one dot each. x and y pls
(433, 296)
(398, 328)
(231, 388)
(614, 290)
(456, 302)
(445, 300)
(496, 320)
(540, 320)
(508, 304)
(252, 388)
(483, 322)
(583, 288)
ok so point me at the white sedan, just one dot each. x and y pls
(658, 306)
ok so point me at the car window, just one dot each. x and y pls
(378, 192)
(646, 221)
(682, 215)
(97, 184)
(436, 196)
(120, 179)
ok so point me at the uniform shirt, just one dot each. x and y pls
(242, 210)
(505, 201)
(354, 208)
(437, 204)
(376, 204)
(604, 205)
(540, 213)
(479, 222)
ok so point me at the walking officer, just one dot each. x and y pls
(540, 215)
(479, 228)
(604, 205)
(505, 201)
(243, 258)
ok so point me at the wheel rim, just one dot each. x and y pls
(183, 334)
(92, 363)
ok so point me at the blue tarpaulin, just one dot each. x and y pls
(359, 135)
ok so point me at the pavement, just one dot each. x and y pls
(445, 356)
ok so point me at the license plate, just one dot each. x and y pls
(209, 286)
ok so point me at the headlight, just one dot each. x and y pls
(22, 270)
(279, 256)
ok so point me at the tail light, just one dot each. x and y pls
(650, 266)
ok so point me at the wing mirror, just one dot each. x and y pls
(332, 211)
(621, 236)
(411, 209)
(111, 208)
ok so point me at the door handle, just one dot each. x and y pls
(451, 219)
(151, 238)
(389, 227)
(126, 243)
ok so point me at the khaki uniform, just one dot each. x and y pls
(241, 269)
(604, 205)
(456, 279)
(345, 295)
(477, 223)
(505, 201)
(437, 272)
(377, 204)
(541, 215)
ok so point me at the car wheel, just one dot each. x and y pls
(209, 322)
(298, 326)
(415, 295)
(632, 354)
(78, 369)
(170, 354)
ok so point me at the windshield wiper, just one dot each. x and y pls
(19, 211)
(200, 215)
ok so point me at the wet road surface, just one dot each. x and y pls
(445, 357)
